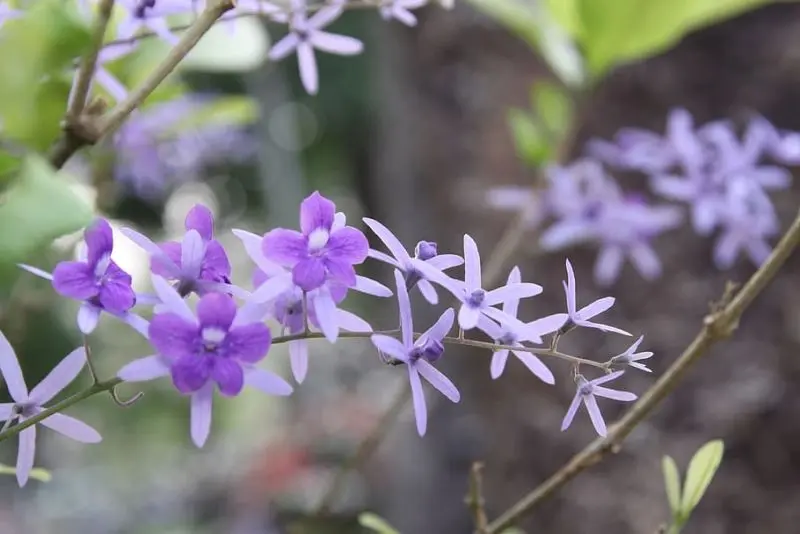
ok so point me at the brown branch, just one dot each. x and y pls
(83, 80)
(718, 325)
(474, 499)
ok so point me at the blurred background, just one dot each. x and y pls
(415, 132)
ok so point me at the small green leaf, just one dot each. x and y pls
(703, 466)
(672, 480)
(376, 523)
(37, 207)
(552, 106)
(529, 139)
(37, 473)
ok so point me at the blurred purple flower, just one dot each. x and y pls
(415, 354)
(632, 358)
(512, 332)
(425, 251)
(476, 301)
(103, 77)
(97, 281)
(586, 392)
(151, 16)
(220, 345)
(581, 317)
(781, 146)
(27, 405)
(524, 200)
(306, 34)
(198, 263)
(400, 10)
(323, 251)
(8, 13)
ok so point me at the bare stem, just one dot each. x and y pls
(475, 500)
(83, 80)
(718, 325)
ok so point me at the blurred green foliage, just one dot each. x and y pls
(37, 473)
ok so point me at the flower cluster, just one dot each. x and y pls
(299, 282)
(719, 176)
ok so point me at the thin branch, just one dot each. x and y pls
(474, 499)
(717, 326)
(83, 80)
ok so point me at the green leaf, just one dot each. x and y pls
(552, 106)
(376, 523)
(703, 466)
(567, 14)
(37, 473)
(672, 481)
(623, 30)
(228, 110)
(36, 208)
(530, 141)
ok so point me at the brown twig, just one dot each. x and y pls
(474, 498)
(718, 325)
(83, 80)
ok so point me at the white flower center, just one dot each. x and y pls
(317, 239)
(212, 337)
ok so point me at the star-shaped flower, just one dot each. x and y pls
(27, 405)
(581, 317)
(631, 358)
(586, 392)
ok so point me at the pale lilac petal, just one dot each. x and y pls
(498, 364)
(604, 327)
(7, 410)
(308, 67)
(608, 265)
(389, 239)
(250, 312)
(758, 250)
(111, 84)
(284, 47)
(336, 44)
(380, 256)
(324, 16)
(389, 345)
(75, 280)
(595, 415)
(267, 382)
(511, 304)
(404, 304)
(325, 312)
(596, 308)
(371, 287)
(404, 16)
(88, 317)
(34, 270)
(25, 454)
(201, 219)
(272, 288)
(172, 300)
(11, 371)
(339, 221)
(286, 247)
(490, 328)
(472, 265)
(500, 316)
(352, 322)
(565, 233)
(468, 317)
(445, 261)
(418, 398)
(725, 250)
(674, 188)
(543, 326)
(428, 291)
(442, 326)
(144, 369)
(200, 414)
(252, 244)
(536, 366)
(438, 380)
(607, 378)
(646, 261)
(640, 366)
(60, 377)
(153, 250)
(571, 411)
(570, 289)
(613, 394)
(316, 211)
(193, 250)
(438, 277)
(72, 428)
(298, 358)
(248, 343)
(512, 292)
(161, 267)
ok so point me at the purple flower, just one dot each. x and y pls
(512, 332)
(781, 146)
(476, 301)
(425, 251)
(524, 200)
(221, 346)
(7, 13)
(581, 317)
(323, 251)
(97, 281)
(631, 358)
(416, 355)
(586, 392)
(198, 263)
(401, 10)
(151, 15)
(306, 34)
(103, 77)
(27, 405)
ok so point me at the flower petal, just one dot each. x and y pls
(228, 375)
(200, 415)
(25, 454)
(272, 288)
(468, 317)
(332, 43)
(341, 272)
(404, 304)
(167, 264)
(389, 239)
(389, 345)
(607, 378)
(441, 327)
(437, 379)
(428, 291)
(326, 315)
(307, 63)
(284, 47)
(543, 326)
(536, 366)
(172, 336)
(155, 252)
(11, 371)
(75, 280)
(36, 271)
(608, 265)
(596, 308)
(371, 287)
(88, 317)
(267, 382)
(192, 372)
(144, 369)
(418, 398)
(116, 297)
(351, 322)
(72, 428)
(571, 411)
(215, 265)
(172, 300)
(511, 292)
(248, 343)
(309, 274)
(613, 394)
(99, 241)
(348, 245)
(59, 378)
(498, 364)
(472, 265)
(316, 211)
(445, 261)
(570, 290)
(298, 358)
(286, 247)
(201, 219)
(193, 250)
(216, 310)
(252, 245)
(595, 415)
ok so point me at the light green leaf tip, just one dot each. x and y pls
(376, 523)
(36, 208)
(530, 142)
(701, 471)
(37, 473)
(552, 106)
(672, 481)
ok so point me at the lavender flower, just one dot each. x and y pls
(97, 281)
(631, 358)
(401, 10)
(8, 13)
(417, 355)
(512, 332)
(781, 146)
(476, 301)
(425, 251)
(306, 34)
(151, 15)
(581, 317)
(198, 263)
(27, 405)
(524, 200)
(586, 392)
(323, 251)
(220, 345)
